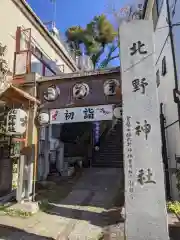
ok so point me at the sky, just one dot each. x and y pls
(75, 12)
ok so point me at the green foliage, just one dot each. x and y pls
(5, 210)
(98, 35)
(174, 207)
(74, 35)
(101, 29)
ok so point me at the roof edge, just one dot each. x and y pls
(80, 74)
(69, 60)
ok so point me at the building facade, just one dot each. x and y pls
(47, 45)
(30, 51)
(161, 11)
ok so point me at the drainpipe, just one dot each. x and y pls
(173, 57)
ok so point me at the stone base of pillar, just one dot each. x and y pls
(28, 207)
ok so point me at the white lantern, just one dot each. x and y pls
(80, 90)
(16, 122)
(43, 118)
(118, 112)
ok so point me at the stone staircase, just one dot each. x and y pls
(110, 153)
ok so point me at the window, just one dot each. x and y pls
(157, 78)
(164, 67)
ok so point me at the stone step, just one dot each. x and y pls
(111, 144)
(115, 152)
(109, 159)
(111, 149)
(107, 164)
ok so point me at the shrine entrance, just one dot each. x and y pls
(90, 133)
(84, 112)
(95, 142)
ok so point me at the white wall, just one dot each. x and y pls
(165, 91)
(10, 18)
(176, 36)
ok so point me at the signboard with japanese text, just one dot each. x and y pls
(145, 205)
(81, 114)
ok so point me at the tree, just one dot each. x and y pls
(98, 37)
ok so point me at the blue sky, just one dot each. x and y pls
(74, 12)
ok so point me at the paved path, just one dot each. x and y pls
(83, 215)
(87, 205)
(86, 213)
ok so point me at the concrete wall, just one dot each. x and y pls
(165, 92)
(176, 35)
(11, 17)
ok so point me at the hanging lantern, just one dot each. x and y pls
(80, 90)
(117, 112)
(43, 118)
(16, 122)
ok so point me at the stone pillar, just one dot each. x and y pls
(29, 167)
(43, 154)
(60, 158)
(30, 152)
(20, 184)
(60, 153)
(145, 203)
(46, 155)
(57, 152)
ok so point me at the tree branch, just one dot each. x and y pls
(114, 57)
(95, 57)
